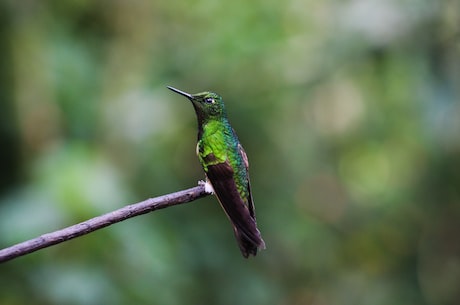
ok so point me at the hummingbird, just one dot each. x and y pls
(226, 168)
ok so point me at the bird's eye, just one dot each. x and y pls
(209, 100)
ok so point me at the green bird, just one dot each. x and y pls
(226, 167)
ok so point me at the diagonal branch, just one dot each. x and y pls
(102, 221)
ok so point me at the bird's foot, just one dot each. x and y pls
(207, 186)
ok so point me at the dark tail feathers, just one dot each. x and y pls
(249, 245)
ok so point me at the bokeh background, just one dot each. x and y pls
(349, 112)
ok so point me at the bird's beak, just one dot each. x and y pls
(187, 95)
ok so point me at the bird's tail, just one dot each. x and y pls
(249, 245)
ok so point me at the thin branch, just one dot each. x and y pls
(102, 221)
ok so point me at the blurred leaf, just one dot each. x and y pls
(349, 112)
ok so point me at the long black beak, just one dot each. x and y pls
(187, 95)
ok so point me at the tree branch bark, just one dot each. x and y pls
(99, 222)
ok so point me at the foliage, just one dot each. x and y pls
(349, 112)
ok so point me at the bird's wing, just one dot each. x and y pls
(239, 212)
(250, 204)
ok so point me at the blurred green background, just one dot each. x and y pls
(349, 112)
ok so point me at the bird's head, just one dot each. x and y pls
(208, 105)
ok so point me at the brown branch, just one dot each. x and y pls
(102, 221)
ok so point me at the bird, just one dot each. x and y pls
(225, 164)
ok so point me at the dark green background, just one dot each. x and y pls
(349, 112)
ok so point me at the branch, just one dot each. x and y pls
(102, 221)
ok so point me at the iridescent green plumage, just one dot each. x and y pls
(226, 166)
